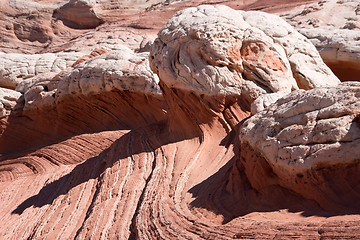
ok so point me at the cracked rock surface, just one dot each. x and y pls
(104, 149)
(334, 28)
(307, 131)
(205, 51)
(15, 68)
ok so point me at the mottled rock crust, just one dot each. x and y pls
(306, 132)
(205, 51)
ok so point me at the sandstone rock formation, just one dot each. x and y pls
(96, 151)
(8, 100)
(92, 89)
(34, 26)
(79, 14)
(307, 139)
(121, 70)
(15, 68)
(334, 28)
(252, 56)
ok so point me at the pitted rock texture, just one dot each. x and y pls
(306, 132)
(15, 68)
(121, 70)
(205, 51)
(122, 164)
(8, 100)
(334, 28)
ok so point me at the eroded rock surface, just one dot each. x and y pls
(8, 100)
(305, 133)
(204, 50)
(79, 14)
(334, 28)
(92, 89)
(15, 68)
(121, 70)
(96, 152)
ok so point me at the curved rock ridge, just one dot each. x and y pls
(121, 70)
(333, 27)
(117, 87)
(68, 152)
(15, 68)
(306, 133)
(151, 165)
(205, 51)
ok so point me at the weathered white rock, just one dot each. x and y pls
(306, 64)
(332, 26)
(307, 130)
(116, 70)
(217, 50)
(8, 100)
(15, 68)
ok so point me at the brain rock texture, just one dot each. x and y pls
(307, 132)
(218, 50)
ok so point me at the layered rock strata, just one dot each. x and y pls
(126, 162)
(73, 99)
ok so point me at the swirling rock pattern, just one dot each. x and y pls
(110, 159)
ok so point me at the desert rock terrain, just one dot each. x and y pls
(178, 119)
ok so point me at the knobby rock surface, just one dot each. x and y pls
(334, 28)
(308, 140)
(104, 149)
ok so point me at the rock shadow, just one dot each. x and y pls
(229, 193)
(153, 135)
(27, 130)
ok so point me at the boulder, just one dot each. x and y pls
(307, 134)
(79, 14)
(203, 50)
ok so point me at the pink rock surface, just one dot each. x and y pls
(104, 149)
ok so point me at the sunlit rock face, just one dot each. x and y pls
(333, 27)
(112, 90)
(206, 51)
(16, 68)
(309, 135)
(106, 149)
